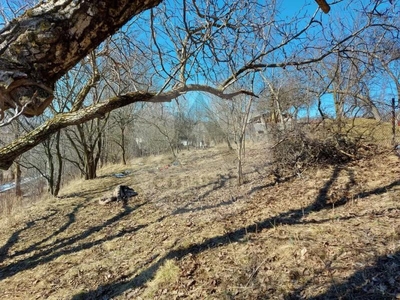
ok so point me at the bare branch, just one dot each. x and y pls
(10, 152)
(18, 112)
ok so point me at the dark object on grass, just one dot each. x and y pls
(122, 174)
(397, 150)
(120, 193)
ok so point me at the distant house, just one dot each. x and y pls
(263, 122)
(259, 123)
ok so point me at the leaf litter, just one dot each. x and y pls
(332, 232)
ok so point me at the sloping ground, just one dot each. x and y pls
(192, 234)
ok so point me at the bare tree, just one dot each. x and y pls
(46, 160)
(231, 119)
(122, 120)
(242, 140)
(162, 119)
(211, 46)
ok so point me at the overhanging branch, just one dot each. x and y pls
(39, 47)
(21, 145)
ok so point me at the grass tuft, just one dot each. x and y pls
(165, 278)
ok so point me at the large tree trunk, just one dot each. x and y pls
(240, 151)
(228, 143)
(50, 161)
(90, 166)
(375, 112)
(99, 148)
(242, 143)
(40, 46)
(365, 99)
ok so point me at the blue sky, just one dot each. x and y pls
(291, 8)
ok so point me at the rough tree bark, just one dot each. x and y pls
(40, 46)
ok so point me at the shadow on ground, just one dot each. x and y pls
(292, 217)
(381, 280)
(13, 239)
(46, 253)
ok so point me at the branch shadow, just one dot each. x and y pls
(60, 247)
(264, 186)
(321, 200)
(221, 183)
(86, 194)
(14, 238)
(215, 185)
(35, 246)
(291, 217)
(378, 281)
(184, 209)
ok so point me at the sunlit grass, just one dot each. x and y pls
(166, 276)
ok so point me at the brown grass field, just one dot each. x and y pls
(330, 233)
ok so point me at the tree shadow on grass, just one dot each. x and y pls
(221, 183)
(36, 246)
(276, 181)
(87, 194)
(15, 236)
(185, 209)
(381, 280)
(291, 217)
(63, 246)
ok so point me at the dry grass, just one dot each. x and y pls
(167, 275)
(9, 204)
(12, 205)
(191, 233)
(367, 130)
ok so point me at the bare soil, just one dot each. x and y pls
(329, 233)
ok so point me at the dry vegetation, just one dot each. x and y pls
(332, 232)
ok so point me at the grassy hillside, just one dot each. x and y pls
(192, 234)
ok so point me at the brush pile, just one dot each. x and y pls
(297, 151)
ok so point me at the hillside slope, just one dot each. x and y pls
(191, 233)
